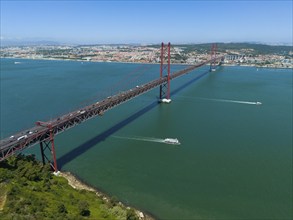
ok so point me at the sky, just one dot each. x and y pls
(100, 22)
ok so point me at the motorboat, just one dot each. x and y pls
(165, 100)
(171, 141)
(258, 103)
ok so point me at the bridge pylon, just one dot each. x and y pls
(165, 72)
(213, 57)
(48, 145)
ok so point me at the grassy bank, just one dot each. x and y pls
(28, 190)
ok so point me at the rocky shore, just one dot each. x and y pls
(75, 183)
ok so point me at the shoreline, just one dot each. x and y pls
(78, 184)
(255, 66)
(124, 62)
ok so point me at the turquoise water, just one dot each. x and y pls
(235, 157)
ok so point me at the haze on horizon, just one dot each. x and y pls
(124, 22)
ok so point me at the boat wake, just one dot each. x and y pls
(236, 101)
(226, 100)
(151, 139)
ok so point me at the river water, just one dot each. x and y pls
(235, 157)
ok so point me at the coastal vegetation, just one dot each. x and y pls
(29, 190)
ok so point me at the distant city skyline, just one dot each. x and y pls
(124, 22)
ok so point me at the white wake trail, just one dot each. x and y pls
(149, 139)
(225, 100)
(236, 101)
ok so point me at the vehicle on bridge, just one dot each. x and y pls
(22, 137)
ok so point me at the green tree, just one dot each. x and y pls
(83, 208)
(61, 208)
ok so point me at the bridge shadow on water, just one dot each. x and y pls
(71, 155)
(102, 136)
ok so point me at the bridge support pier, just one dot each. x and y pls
(213, 58)
(165, 88)
(46, 145)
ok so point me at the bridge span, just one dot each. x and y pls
(44, 132)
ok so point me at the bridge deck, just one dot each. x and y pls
(34, 135)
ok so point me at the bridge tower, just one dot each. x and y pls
(48, 145)
(165, 72)
(213, 57)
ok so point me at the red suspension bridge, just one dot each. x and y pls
(44, 132)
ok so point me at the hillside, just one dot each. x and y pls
(28, 190)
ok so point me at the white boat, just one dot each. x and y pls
(258, 103)
(16, 62)
(171, 141)
(165, 100)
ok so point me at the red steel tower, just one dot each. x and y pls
(49, 145)
(213, 57)
(165, 72)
